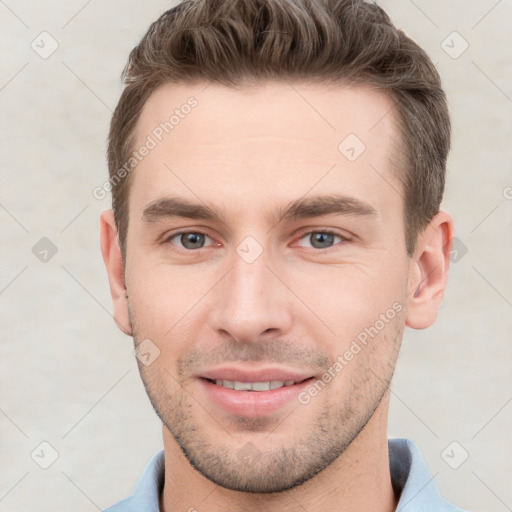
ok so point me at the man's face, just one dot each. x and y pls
(289, 258)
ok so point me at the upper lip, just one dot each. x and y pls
(254, 374)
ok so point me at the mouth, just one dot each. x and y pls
(268, 385)
(252, 394)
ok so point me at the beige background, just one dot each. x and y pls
(68, 376)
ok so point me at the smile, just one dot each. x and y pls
(254, 386)
(237, 392)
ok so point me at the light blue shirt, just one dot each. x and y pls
(409, 474)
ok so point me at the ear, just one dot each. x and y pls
(428, 271)
(115, 270)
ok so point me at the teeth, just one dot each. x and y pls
(254, 386)
(226, 383)
(260, 386)
(242, 386)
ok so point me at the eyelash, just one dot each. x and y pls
(168, 240)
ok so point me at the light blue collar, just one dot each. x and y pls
(410, 476)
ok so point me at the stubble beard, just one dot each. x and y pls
(213, 447)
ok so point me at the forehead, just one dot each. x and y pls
(275, 141)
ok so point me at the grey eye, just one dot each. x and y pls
(321, 240)
(192, 240)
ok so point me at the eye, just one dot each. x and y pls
(189, 240)
(321, 239)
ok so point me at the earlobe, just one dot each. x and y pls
(429, 271)
(115, 270)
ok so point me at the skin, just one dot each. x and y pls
(248, 154)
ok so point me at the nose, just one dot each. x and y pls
(251, 302)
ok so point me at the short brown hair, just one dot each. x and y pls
(236, 42)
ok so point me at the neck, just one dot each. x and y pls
(359, 480)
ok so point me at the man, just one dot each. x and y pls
(277, 169)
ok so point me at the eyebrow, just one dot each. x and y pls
(316, 206)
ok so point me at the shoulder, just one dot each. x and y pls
(147, 491)
(412, 480)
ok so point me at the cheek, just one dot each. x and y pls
(163, 296)
(349, 298)
(366, 360)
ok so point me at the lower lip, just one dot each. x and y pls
(252, 404)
